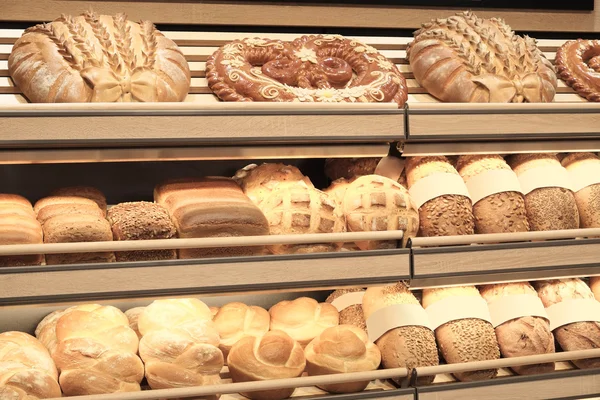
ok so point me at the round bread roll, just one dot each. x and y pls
(258, 181)
(445, 215)
(377, 203)
(235, 321)
(588, 198)
(548, 208)
(274, 355)
(500, 212)
(352, 315)
(303, 318)
(467, 339)
(342, 349)
(525, 336)
(295, 208)
(405, 346)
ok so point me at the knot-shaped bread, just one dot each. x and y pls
(26, 369)
(578, 64)
(341, 349)
(303, 318)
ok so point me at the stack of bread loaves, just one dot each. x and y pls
(584, 172)
(75, 218)
(18, 225)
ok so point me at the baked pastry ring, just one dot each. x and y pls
(310, 69)
(578, 64)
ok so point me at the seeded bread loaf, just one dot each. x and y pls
(352, 315)
(588, 198)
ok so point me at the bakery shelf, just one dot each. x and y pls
(486, 258)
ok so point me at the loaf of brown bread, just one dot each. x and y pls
(351, 315)
(524, 336)
(467, 339)
(445, 215)
(53, 201)
(349, 168)
(578, 335)
(582, 166)
(211, 207)
(53, 210)
(141, 220)
(548, 208)
(87, 192)
(501, 212)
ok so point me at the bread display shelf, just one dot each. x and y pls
(504, 257)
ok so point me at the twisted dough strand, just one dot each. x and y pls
(577, 65)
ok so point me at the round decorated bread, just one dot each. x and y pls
(468, 59)
(98, 58)
(320, 68)
(578, 64)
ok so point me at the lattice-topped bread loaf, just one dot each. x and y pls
(98, 58)
(468, 59)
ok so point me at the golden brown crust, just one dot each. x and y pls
(347, 168)
(577, 64)
(20, 229)
(88, 192)
(588, 198)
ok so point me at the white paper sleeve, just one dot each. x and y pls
(514, 306)
(457, 307)
(584, 176)
(396, 316)
(492, 182)
(436, 185)
(541, 177)
(570, 311)
(348, 299)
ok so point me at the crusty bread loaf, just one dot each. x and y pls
(548, 208)
(347, 168)
(595, 286)
(212, 207)
(213, 310)
(9, 198)
(58, 200)
(525, 336)
(406, 346)
(98, 58)
(352, 315)
(500, 212)
(588, 198)
(27, 370)
(87, 192)
(578, 335)
(295, 208)
(15, 204)
(336, 192)
(141, 220)
(133, 315)
(95, 350)
(274, 355)
(54, 210)
(444, 215)
(303, 318)
(464, 340)
(342, 349)
(45, 331)
(235, 321)
(20, 229)
(179, 344)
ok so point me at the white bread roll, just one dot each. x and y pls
(352, 315)
(95, 350)
(548, 208)
(235, 321)
(342, 349)
(406, 346)
(303, 318)
(525, 336)
(464, 340)
(588, 198)
(26, 369)
(275, 355)
(179, 344)
(445, 215)
(578, 335)
(502, 212)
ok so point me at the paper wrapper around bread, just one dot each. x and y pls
(574, 316)
(584, 174)
(463, 328)
(441, 196)
(521, 323)
(348, 302)
(398, 325)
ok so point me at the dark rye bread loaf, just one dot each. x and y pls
(141, 220)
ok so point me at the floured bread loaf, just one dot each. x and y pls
(405, 346)
(88, 192)
(548, 208)
(445, 215)
(468, 59)
(588, 198)
(27, 370)
(16, 228)
(295, 208)
(578, 335)
(464, 340)
(303, 318)
(377, 203)
(133, 315)
(98, 58)
(500, 212)
(342, 349)
(352, 315)
(525, 336)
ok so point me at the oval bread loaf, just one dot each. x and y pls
(588, 198)
(352, 315)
